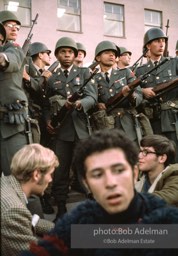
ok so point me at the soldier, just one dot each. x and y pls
(110, 82)
(75, 126)
(35, 78)
(81, 55)
(162, 110)
(13, 100)
(124, 58)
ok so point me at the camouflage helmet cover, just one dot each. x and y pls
(38, 47)
(8, 16)
(66, 42)
(152, 34)
(105, 46)
(3, 32)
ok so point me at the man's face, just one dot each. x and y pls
(107, 58)
(12, 29)
(80, 56)
(110, 179)
(66, 57)
(45, 57)
(157, 47)
(125, 59)
(42, 182)
(148, 160)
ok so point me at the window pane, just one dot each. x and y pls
(68, 13)
(21, 8)
(113, 20)
(152, 18)
(69, 22)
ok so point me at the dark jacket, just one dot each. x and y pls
(144, 209)
(76, 122)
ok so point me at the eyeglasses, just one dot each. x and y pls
(145, 152)
(9, 25)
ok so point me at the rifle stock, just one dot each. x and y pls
(62, 113)
(162, 88)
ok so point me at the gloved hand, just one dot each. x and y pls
(16, 113)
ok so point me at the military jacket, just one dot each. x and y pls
(166, 72)
(77, 121)
(123, 115)
(11, 88)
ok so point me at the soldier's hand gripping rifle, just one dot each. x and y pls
(27, 42)
(62, 113)
(163, 88)
(118, 98)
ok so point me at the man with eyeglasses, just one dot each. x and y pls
(13, 100)
(159, 172)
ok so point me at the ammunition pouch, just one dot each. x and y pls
(35, 129)
(169, 105)
(56, 103)
(100, 120)
(15, 113)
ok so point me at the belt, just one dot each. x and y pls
(169, 104)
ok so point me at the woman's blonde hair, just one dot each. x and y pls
(30, 158)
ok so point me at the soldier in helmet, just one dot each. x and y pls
(81, 55)
(75, 126)
(110, 82)
(35, 78)
(161, 110)
(124, 58)
(13, 100)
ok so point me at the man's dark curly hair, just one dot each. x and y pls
(100, 141)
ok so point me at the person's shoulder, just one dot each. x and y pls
(158, 211)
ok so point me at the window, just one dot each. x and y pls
(68, 14)
(21, 8)
(113, 20)
(152, 19)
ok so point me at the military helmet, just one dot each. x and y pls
(8, 16)
(66, 42)
(3, 32)
(152, 34)
(105, 46)
(124, 50)
(38, 47)
(81, 47)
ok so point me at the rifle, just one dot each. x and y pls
(163, 88)
(134, 66)
(62, 113)
(118, 98)
(26, 44)
(166, 52)
(93, 65)
(51, 69)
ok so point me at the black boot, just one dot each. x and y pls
(46, 206)
(61, 210)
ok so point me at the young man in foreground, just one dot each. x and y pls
(106, 163)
